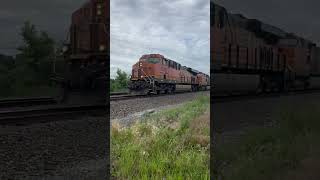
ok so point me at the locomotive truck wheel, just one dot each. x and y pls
(173, 89)
(170, 90)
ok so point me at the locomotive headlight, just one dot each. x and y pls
(99, 9)
(102, 48)
(65, 48)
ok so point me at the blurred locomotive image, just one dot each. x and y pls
(249, 55)
(86, 54)
(155, 74)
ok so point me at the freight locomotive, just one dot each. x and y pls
(86, 54)
(155, 74)
(249, 55)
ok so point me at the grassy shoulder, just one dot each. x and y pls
(171, 144)
(288, 150)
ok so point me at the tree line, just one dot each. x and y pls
(29, 71)
(119, 83)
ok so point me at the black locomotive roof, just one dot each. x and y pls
(192, 71)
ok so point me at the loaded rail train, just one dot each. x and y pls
(86, 54)
(249, 55)
(155, 74)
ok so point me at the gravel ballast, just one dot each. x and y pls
(123, 108)
(44, 150)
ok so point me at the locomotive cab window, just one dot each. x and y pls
(153, 60)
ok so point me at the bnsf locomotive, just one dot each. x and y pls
(86, 53)
(249, 55)
(155, 74)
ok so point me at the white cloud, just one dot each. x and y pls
(178, 29)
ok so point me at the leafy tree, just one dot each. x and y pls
(30, 69)
(122, 78)
(38, 47)
(120, 82)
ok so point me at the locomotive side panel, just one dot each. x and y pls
(234, 47)
(244, 48)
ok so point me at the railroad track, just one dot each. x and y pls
(127, 96)
(22, 102)
(222, 97)
(44, 114)
(118, 93)
(249, 96)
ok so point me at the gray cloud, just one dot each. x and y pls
(178, 29)
(52, 16)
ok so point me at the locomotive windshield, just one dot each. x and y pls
(152, 60)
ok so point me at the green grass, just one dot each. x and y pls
(168, 144)
(270, 153)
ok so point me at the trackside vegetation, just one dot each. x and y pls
(289, 149)
(28, 72)
(170, 144)
(119, 83)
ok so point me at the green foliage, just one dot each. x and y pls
(120, 82)
(268, 153)
(30, 70)
(37, 49)
(153, 149)
(37, 45)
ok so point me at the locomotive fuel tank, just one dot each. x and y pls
(235, 83)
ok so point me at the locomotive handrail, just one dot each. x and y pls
(149, 78)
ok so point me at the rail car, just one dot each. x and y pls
(248, 55)
(155, 74)
(86, 54)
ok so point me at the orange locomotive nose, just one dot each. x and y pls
(138, 70)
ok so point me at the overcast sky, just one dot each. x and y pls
(52, 16)
(177, 29)
(298, 16)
